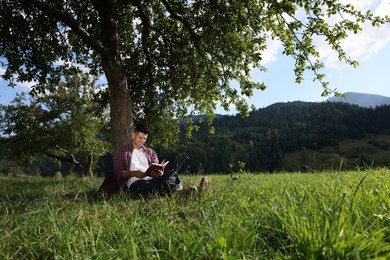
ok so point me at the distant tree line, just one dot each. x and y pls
(261, 140)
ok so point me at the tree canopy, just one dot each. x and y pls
(167, 59)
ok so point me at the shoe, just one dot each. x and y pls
(190, 191)
(205, 182)
(179, 187)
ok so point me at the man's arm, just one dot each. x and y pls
(125, 175)
(122, 166)
(153, 156)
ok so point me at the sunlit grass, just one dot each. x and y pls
(329, 215)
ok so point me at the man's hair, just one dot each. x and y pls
(142, 129)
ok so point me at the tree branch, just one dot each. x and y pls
(181, 19)
(70, 159)
(72, 23)
(145, 35)
(62, 159)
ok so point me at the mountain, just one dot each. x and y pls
(361, 99)
(287, 104)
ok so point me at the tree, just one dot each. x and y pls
(165, 59)
(65, 124)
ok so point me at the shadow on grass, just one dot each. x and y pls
(23, 188)
(20, 192)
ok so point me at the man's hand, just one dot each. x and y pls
(139, 174)
(156, 173)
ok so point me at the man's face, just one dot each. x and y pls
(139, 139)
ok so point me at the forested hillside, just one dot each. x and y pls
(296, 136)
(288, 136)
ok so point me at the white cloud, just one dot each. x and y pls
(383, 8)
(361, 46)
(26, 85)
(366, 43)
(271, 53)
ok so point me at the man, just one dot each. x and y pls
(131, 162)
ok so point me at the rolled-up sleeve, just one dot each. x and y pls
(151, 155)
(154, 157)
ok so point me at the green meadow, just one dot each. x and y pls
(323, 215)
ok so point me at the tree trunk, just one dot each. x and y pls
(122, 123)
(89, 166)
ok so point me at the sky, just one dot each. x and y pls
(371, 47)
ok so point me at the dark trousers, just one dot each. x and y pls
(163, 185)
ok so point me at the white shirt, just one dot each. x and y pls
(139, 161)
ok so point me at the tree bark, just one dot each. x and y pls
(89, 166)
(122, 122)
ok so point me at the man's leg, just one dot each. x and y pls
(165, 184)
(144, 187)
(169, 182)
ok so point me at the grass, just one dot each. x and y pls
(327, 215)
(371, 150)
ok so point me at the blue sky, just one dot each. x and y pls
(371, 47)
(372, 76)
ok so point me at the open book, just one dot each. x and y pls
(155, 167)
